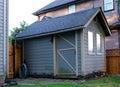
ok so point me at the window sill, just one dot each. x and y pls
(99, 53)
(109, 10)
(90, 53)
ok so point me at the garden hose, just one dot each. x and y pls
(23, 71)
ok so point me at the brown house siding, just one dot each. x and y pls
(112, 41)
(56, 13)
(112, 16)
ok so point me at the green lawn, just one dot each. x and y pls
(113, 81)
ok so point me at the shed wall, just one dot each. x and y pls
(94, 62)
(38, 55)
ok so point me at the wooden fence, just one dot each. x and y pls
(15, 59)
(113, 61)
(11, 73)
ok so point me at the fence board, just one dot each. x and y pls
(18, 56)
(11, 73)
(14, 59)
(113, 61)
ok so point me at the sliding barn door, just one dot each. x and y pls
(66, 54)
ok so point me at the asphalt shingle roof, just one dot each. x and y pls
(57, 3)
(62, 23)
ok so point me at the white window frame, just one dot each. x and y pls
(90, 42)
(71, 9)
(108, 5)
(98, 43)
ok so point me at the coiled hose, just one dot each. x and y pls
(23, 71)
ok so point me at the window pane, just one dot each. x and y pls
(71, 9)
(108, 5)
(108, 1)
(90, 41)
(98, 39)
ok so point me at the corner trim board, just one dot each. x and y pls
(76, 42)
(83, 53)
(54, 53)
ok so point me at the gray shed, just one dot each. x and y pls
(70, 45)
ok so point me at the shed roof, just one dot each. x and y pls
(56, 5)
(69, 22)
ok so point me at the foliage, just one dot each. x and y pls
(118, 3)
(10, 39)
(15, 31)
(113, 81)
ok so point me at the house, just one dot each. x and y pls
(3, 38)
(69, 45)
(109, 7)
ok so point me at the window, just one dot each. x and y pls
(71, 9)
(98, 43)
(108, 5)
(90, 42)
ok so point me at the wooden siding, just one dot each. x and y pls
(3, 36)
(38, 55)
(94, 62)
(112, 16)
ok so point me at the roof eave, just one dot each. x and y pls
(50, 33)
(108, 33)
(37, 13)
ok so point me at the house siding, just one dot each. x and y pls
(3, 36)
(113, 40)
(94, 62)
(39, 55)
(56, 13)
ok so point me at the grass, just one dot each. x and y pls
(113, 81)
